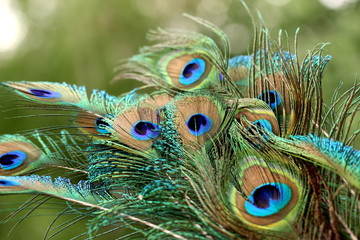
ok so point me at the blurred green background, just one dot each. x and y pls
(81, 42)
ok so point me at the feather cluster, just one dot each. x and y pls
(223, 148)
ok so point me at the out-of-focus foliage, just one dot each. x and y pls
(81, 42)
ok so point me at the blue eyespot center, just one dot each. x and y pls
(144, 130)
(221, 77)
(199, 124)
(271, 97)
(12, 159)
(263, 195)
(260, 125)
(8, 183)
(101, 124)
(268, 199)
(192, 71)
(42, 93)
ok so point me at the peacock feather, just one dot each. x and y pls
(220, 148)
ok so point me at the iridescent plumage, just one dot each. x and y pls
(238, 148)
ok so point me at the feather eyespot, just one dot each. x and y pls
(42, 93)
(268, 199)
(8, 183)
(144, 130)
(271, 97)
(268, 194)
(199, 124)
(101, 124)
(188, 71)
(12, 160)
(193, 71)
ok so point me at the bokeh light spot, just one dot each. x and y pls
(336, 4)
(12, 27)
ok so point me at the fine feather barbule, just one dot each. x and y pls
(227, 148)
